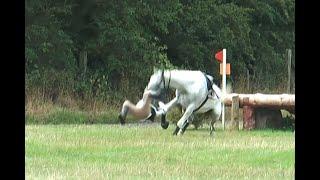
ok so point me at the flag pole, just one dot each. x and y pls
(223, 85)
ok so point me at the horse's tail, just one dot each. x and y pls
(217, 90)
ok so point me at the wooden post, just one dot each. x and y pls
(83, 61)
(235, 112)
(240, 121)
(248, 116)
(289, 70)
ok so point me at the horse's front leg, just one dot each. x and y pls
(165, 108)
(183, 122)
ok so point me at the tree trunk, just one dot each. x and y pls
(83, 61)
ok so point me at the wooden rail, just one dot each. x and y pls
(251, 101)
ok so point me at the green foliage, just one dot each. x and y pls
(47, 43)
(125, 40)
(289, 123)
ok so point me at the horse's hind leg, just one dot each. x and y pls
(214, 119)
(212, 127)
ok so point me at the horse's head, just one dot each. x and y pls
(156, 83)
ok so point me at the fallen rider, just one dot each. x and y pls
(142, 110)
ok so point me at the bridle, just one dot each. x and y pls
(164, 83)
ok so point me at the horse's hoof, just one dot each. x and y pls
(121, 119)
(180, 133)
(185, 127)
(164, 122)
(165, 125)
(176, 131)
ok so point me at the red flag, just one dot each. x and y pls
(219, 56)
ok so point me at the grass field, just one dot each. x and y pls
(147, 151)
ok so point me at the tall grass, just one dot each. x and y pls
(262, 82)
(69, 110)
(57, 98)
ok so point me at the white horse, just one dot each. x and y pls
(195, 92)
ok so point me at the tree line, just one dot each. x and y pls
(104, 49)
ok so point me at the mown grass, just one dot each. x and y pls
(147, 151)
